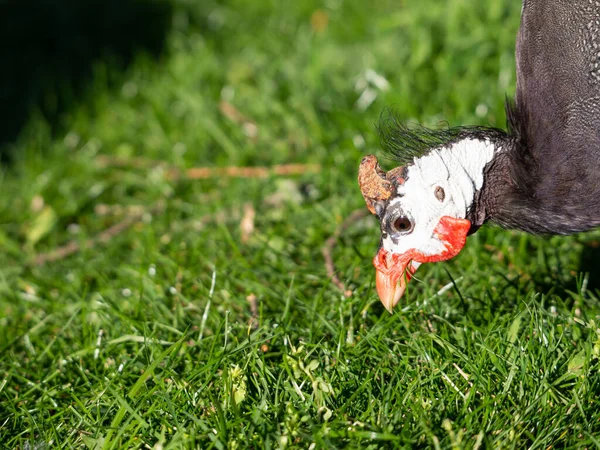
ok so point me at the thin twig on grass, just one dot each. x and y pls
(200, 173)
(330, 245)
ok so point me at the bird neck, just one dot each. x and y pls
(492, 202)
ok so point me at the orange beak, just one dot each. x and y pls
(394, 271)
(393, 274)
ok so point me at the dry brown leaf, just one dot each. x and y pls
(247, 223)
(319, 20)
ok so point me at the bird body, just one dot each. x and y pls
(554, 125)
(542, 175)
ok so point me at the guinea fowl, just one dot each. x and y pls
(541, 176)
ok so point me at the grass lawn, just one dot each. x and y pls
(178, 325)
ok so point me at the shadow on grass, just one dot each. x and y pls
(559, 282)
(590, 263)
(48, 51)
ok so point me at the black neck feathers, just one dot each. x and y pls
(405, 143)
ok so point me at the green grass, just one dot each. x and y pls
(130, 345)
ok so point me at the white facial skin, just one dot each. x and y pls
(458, 170)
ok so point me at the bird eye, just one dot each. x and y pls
(403, 224)
(439, 193)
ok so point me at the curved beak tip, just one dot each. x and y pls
(391, 282)
(390, 289)
(393, 299)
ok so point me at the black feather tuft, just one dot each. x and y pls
(523, 168)
(404, 143)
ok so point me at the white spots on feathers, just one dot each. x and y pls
(589, 41)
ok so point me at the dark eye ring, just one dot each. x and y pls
(402, 224)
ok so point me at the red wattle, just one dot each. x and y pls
(453, 233)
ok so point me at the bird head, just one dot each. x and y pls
(422, 208)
